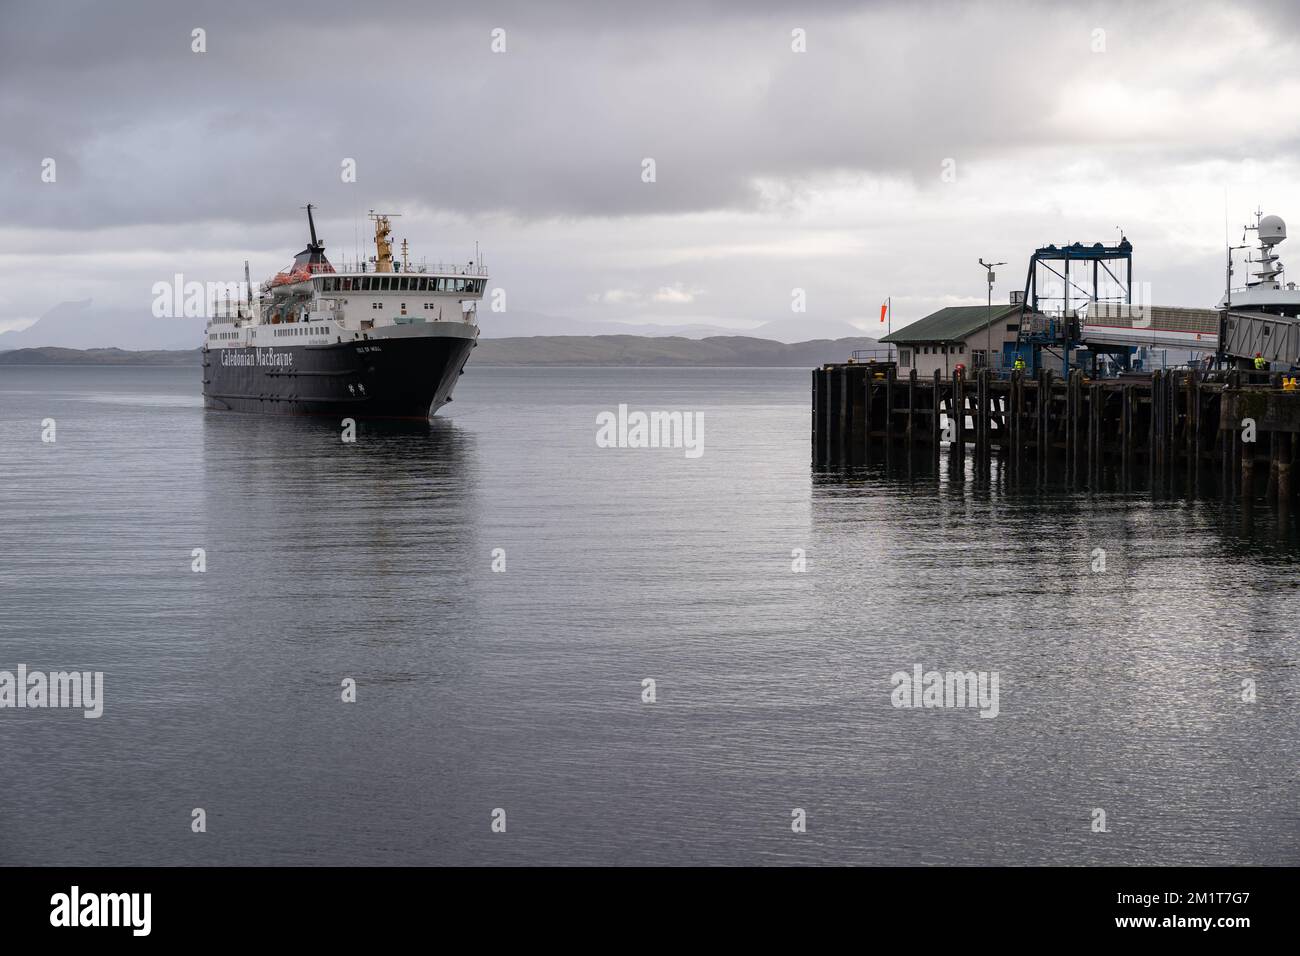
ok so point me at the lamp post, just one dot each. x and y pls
(1220, 354)
(988, 345)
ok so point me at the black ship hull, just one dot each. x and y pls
(405, 378)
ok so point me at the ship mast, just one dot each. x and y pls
(383, 242)
(315, 246)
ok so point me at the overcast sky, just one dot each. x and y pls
(820, 170)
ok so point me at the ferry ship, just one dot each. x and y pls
(383, 338)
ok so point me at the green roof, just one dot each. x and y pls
(953, 324)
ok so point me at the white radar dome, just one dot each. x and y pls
(1272, 229)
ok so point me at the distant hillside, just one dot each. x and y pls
(83, 325)
(616, 350)
(553, 350)
(60, 356)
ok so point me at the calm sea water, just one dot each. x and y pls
(522, 690)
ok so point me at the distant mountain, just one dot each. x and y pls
(61, 356)
(82, 325)
(513, 324)
(802, 328)
(501, 325)
(79, 325)
(622, 350)
(552, 350)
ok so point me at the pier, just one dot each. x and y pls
(1232, 432)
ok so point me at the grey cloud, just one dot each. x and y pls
(197, 162)
(146, 131)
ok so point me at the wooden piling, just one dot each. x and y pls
(1198, 403)
(820, 416)
(1177, 418)
(869, 417)
(843, 405)
(1126, 433)
(1094, 434)
(1016, 414)
(911, 412)
(889, 415)
(1158, 427)
(936, 429)
(957, 412)
(1286, 449)
(1274, 463)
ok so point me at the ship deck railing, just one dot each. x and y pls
(355, 267)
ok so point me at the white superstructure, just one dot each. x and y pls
(314, 303)
(1267, 289)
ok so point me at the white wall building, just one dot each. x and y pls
(957, 335)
